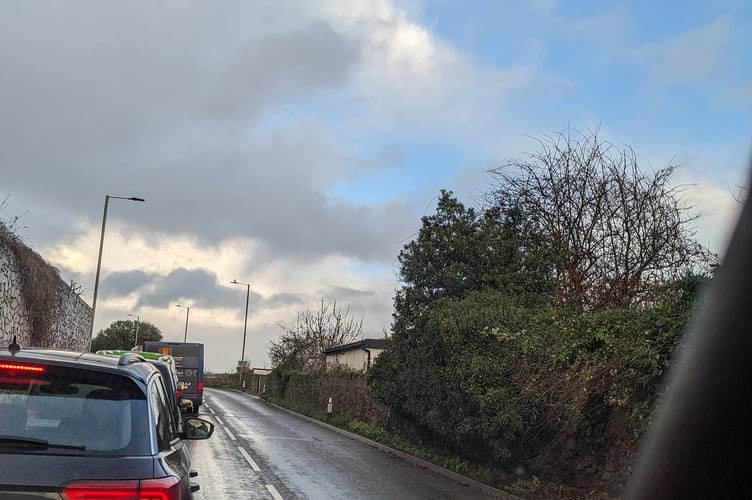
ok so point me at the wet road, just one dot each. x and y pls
(259, 451)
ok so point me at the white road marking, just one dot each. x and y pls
(274, 492)
(230, 434)
(248, 459)
(282, 438)
(219, 421)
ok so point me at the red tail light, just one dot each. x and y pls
(17, 367)
(165, 488)
(179, 394)
(200, 386)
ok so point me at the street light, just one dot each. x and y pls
(245, 327)
(99, 259)
(138, 319)
(187, 312)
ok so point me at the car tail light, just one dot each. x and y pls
(165, 488)
(18, 367)
(200, 386)
(179, 394)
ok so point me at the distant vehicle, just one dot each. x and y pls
(80, 425)
(166, 364)
(189, 364)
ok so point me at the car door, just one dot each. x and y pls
(172, 454)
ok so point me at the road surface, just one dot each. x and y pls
(260, 451)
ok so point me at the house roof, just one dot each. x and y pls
(361, 344)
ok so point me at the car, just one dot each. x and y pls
(166, 365)
(80, 425)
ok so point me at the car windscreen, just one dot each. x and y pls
(90, 411)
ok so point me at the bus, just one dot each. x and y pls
(189, 364)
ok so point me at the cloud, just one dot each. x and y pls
(124, 283)
(610, 28)
(193, 286)
(282, 300)
(246, 127)
(687, 57)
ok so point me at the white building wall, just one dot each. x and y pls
(355, 359)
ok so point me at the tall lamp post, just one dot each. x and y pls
(187, 312)
(245, 326)
(138, 319)
(99, 259)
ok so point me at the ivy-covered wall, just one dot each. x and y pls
(36, 305)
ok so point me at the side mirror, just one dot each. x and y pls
(197, 428)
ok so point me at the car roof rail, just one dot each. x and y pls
(129, 358)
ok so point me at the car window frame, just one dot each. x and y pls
(161, 414)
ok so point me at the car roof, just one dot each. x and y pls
(131, 364)
(149, 356)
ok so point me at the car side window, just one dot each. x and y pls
(165, 426)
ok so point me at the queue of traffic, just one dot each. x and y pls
(95, 426)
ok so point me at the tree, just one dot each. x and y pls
(302, 344)
(619, 233)
(453, 379)
(121, 334)
(463, 274)
(458, 251)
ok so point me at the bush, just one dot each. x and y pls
(500, 383)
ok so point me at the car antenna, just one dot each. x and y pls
(14, 347)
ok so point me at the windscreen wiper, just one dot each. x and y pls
(27, 443)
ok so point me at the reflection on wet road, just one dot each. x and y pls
(259, 451)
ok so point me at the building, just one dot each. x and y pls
(358, 356)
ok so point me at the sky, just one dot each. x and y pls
(294, 145)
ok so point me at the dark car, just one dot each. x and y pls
(166, 365)
(78, 425)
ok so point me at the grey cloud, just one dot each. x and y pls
(280, 300)
(371, 306)
(123, 283)
(195, 287)
(104, 100)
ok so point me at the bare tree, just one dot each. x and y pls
(10, 225)
(617, 231)
(302, 344)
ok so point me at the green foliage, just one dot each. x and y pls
(370, 431)
(527, 485)
(121, 334)
(494, 377)
(457, 251)
(455, 381)
(484, 363)
(463, 275)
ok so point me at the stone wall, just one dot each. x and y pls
(65, 317)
